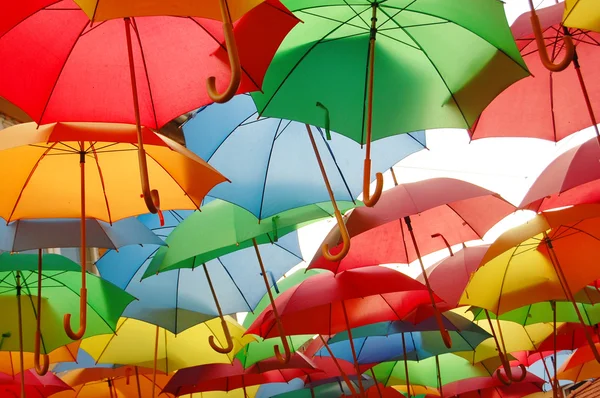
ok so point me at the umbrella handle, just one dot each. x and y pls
(444, 332)
(438, 235)
(234, 61)
(286, 347)
(368, 199)
(345, 241)
(539, 38)
(222, 350)
(509, 376)
(82, 318)
(43, 368)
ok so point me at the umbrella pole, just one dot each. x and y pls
(155, 360)
(338, 216)
(211, 339)
(405, 365)
(83, 292)
(337, 364)
(505, 364)
(20, 319)
(438, 316)
(354, 357)
(439, 375)
(110, 389)
(584, 91)
(151, 197)
(286, 347)
(137, 382)
(43, 369)
(369, 200)
(554, 381)
(567, 290)
(376, 383)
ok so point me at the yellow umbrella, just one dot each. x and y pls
(135, 343)
(67, 170)
(226, 11)
(10, 363)
(582, 14)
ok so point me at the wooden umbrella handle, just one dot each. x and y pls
(539, 39)
(43, 368)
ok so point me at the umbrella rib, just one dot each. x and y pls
(337, 166)
(110, 339)
(397, 40)
(62, 68)
(264, 185)
(365, 28)
(289, 251)
(25, 17)
(235, 284)
(208, 159)
(357, 14)
(465, 221)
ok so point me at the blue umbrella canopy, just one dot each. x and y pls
(179, 299)
(271, 162)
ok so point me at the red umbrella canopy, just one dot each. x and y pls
(464, 387)
(225, 377)
(36, 386)
(57, 66)
(570, 179)
(456, 268)
(451, 210)
(546, 105)
(366, 295)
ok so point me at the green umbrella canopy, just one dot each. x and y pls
(257, 351)
(222, 228)
(61, 279)
(438, 63)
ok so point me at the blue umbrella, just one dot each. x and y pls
(274, 165)
(179, 299)
(84, 361)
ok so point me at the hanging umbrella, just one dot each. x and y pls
(223, 228)
(571, 178)
(32, 385)
(219, 377)
(180, 299)
(582, 14)
(97, 73)
(580, 366)
(475, 384)
(547, 105)
(276, 150)
(24, 235)
(47, 159)
(331, 390)
(10, 362)
(328, 304)
(437, 66)
(546, 259)
(434, 213)
(512, 391)
(19, 277)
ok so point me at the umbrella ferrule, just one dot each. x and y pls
(82, 156)
(408, 223)
(549, 242)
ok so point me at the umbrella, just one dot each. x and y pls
(224, 228)
(546, 259)
(582, 14)
(19, 276)
(48, 157)
(220, 377)
(434, 213)
(580, 366)
(328, 304)
(330, 390)
(181, 298)
(10, 361)
(24, 235)
(547, 105)
(99, 73)
(135, 343)
(475, 384)
(571, 178)
(512, 391)
(32, 385)
(420, 81)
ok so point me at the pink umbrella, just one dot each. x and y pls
(35, 386)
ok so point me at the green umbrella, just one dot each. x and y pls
(223, 228)
(61, 278)
(370, 69)
(543, 313)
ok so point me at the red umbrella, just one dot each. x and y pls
(36, 386)
(572, 178)
(326, 304)
(419, 218)
(59, 66)
(547, 105)
(225, 377)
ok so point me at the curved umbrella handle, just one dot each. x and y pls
(283, 359)
(229, 347)
(368, 199)
(345, 241)
(438, 235)
(444, 332)
(509, 376)
(82, 318)
(43, 368)
(539, 39)
(234, 61)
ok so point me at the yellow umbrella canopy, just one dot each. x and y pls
(582, 14)
(10, 363)
(134, 344)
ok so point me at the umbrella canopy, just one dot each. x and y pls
(78, 66)
(475, 384)
(10, 362)
(456, 210)
(582, 14)
(24, 235)
(60, 276)
(580, 366)
(36, 386)
(181, 298)
(544, 312)
(572, 178)
(135, 341)
(267, 155)
(546, 105)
